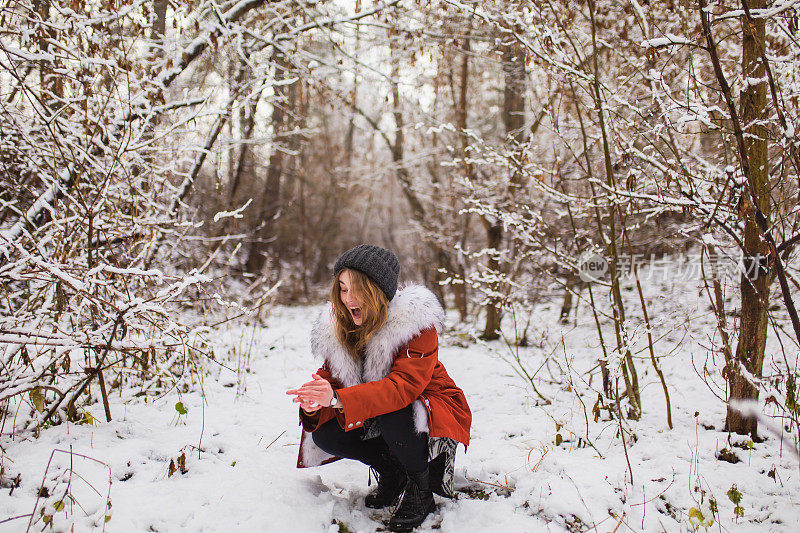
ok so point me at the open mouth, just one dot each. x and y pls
(356, 312)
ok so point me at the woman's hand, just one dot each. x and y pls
(313, 395)
(309, 407)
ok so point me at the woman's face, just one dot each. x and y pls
(350, 298)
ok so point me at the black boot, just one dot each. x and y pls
(415, 505)
(391, 481)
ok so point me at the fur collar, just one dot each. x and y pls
(414, 308)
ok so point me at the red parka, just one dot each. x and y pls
(400, 366)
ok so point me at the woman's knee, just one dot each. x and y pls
(400, 434)
(332, 439)
(398, 424)
(328, 436)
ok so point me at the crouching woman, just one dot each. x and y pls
(381, 396)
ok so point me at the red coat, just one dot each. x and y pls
(400, 367)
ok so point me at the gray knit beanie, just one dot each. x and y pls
(379, 264)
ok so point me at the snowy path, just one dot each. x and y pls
(514, 476)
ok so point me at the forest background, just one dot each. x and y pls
(167, 167)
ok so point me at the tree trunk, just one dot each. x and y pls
(246, 122)
(513, 121)
(494, 238)
(570, 285)
(52, 83)
(460, 289)
(754, 288)
(159, 28)
(270, 199)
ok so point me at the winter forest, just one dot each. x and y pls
(603, 194)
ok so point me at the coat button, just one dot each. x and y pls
(358, 423)
(349, 425)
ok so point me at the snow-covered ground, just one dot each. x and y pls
(239, 443)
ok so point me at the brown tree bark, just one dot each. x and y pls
(494, 238)
(51, 81)
(159, 28)
(754, 288)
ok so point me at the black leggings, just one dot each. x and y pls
(398, 436)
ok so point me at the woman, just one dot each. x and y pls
(381, 396)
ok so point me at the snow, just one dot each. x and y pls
(8, 236)
(749, 81)
(667, 40)
(240, 442)
(236, 213)
(778, 7)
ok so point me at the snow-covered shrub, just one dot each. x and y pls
(85, 198)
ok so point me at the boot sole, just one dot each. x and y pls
(383, 506)
(407, 526)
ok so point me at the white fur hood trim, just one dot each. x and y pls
(413, 309)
